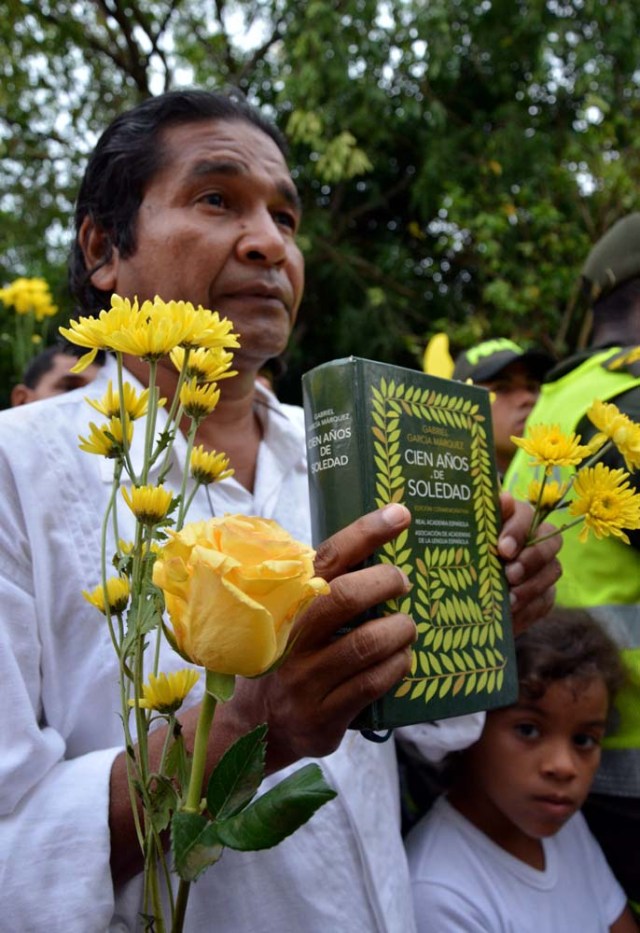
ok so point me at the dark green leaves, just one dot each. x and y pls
(234, 818)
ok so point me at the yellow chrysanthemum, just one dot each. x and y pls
(166, 692)
(149, 504)
(156, 329)
(125, 548)
(150, 330)
(199, 400)
(607, 502)
(134, 405)
(117, 596)
(29, 296)
(204, 328)
(617, 427)
(106, 440)
(96, 333)
(205, 365)
(207, 466)
(549, 447)
(551, 494)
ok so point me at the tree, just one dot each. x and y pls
(456, 158)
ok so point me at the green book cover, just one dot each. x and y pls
(376, 434)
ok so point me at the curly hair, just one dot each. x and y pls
(567, 645)
(127, 156)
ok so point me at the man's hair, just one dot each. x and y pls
(127, 156)
(42, 363)
(567, 645)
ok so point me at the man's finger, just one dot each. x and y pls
(352, 545)
(352, 594)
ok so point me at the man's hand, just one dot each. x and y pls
(531, 571)
(326, 680)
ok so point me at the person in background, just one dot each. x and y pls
(604, 576)
(49, 373)
(514, 377)
(506, 849)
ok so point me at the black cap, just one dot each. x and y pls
(487, 359)
(614, 259)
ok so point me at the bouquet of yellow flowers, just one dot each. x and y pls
(224, 593)
(596, 495)
(31, 301)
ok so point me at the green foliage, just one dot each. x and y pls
(234, 819)
(456, 160)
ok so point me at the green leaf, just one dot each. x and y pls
(278, 813)
(178, 763)
(194, 844)
(238, 774)
(164, 800)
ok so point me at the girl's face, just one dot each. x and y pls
(533, 765)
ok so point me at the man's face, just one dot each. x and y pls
(55, 381)
(516, 391)
(217, 227)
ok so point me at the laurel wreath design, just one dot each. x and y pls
(457, 603)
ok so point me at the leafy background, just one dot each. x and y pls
(456, 157)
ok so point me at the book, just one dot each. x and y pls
(377, 433)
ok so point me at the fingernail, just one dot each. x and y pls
(394, 514)
(514, 573)
(406, 582)
(508, 546)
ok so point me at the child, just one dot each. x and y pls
(506, 851)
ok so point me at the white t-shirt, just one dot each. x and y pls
(462, 881)
(60, 731)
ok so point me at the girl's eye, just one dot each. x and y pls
(527, 730)
(586, 742)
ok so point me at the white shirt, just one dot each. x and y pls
(465, 883)
(59, 726)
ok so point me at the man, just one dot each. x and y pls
(604, 576)
(189, 196)
(49, 373)
(514, 376)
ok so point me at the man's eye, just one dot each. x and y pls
(214, 198)
(285, 219)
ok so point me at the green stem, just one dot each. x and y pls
(181, 907)
(111, 509)
(193, 427)
(123, 418)
(191, 496)
(175, 414)
(558, 531)
(205, 718)
(194, 793)
(152, 411)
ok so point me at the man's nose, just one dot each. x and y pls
(262, 240)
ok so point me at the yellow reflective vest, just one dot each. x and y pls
(600, 575)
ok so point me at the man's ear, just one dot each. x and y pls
(99, 255)
(20, 395)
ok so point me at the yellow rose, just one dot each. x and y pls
(233, 587)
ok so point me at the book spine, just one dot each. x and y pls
(340, 487)
(337, 495)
